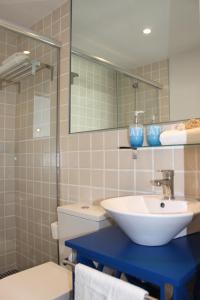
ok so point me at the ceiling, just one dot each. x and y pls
(27, 12)
(112, 29)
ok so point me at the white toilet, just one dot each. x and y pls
(50, 281)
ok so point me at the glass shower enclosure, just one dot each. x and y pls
(28, 149)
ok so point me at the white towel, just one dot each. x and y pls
(173, 137)
(180, 137)
(17, 58)
(13, 61)
(94, 285)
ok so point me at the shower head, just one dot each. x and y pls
(135, 84)
(73, 75)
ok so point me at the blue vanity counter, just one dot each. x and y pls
(175, 263)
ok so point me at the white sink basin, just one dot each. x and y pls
(149, 220)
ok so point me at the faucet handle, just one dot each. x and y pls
(164, 171)
(167, 173)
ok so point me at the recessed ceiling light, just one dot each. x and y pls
(38, 129)
(147, 31)
(26, 52)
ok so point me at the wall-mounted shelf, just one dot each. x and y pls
(17, 67)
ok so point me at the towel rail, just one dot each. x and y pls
(14, 74)
(67, 262)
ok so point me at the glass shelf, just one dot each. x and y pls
(157, 147)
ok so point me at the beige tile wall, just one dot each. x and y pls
(126, 100)
(107, 171)
(140, 96)
(154, 102)
(159, 72)
(36, 190)
(93, 95)
(91, 166)
(148, 101)
(96, 104)
(8, 45)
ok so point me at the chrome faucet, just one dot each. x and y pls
(167, 184)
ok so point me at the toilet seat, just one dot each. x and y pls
(48, 281)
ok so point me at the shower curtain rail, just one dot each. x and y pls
(29, 33)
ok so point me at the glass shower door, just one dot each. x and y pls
(28, 148)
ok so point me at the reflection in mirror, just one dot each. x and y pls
(93, 94)
(135, 95)
(132, 55)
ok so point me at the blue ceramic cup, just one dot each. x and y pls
(153, 135)
(136, 136)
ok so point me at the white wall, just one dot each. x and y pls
(184, 74)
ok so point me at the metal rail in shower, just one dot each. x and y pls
(29, 33)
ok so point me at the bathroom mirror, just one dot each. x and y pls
(129, 55)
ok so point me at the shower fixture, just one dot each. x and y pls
(73, 75)
(135, 84)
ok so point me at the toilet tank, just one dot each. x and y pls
(75, 220)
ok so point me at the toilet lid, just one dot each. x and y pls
(85, 211)
(44, 282)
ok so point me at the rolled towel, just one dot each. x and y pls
(12, 62)
(180, 137)
(16, 58)
(173, 137)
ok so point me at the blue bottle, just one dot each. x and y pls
(136, 131)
